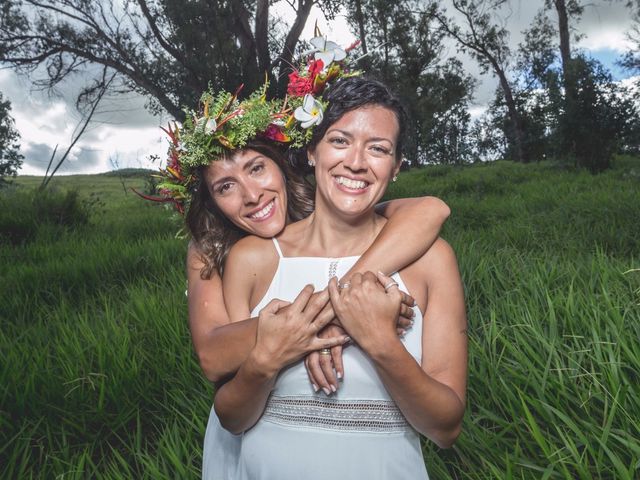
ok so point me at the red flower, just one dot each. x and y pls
(315, 68)
(298, 86)
(273, 132)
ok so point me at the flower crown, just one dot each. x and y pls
(224, 123)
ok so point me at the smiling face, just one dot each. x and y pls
(249, 189)
(355, 160)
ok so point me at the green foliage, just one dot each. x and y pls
(435, 92)
(10, 158)
(24, 213)
(99, 379)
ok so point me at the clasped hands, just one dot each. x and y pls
(364, 312)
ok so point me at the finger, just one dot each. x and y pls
(406, 312)
(336, 356)
(316, 304)
(320, 343)
(388, 283)
(302, 299)
(325, 317)
(356, 280)
(369, 277)
(334, 293)
(326, 364)
(404, 322)
(315, 372)
(273, 306)
(408, 300)
(312, 357)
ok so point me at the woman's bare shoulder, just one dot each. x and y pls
(251, 253)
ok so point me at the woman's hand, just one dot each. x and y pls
(367, 310)
(286, 332)
(325, 370)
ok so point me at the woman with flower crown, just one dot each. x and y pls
(394, 388)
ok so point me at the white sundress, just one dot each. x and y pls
(356, 433)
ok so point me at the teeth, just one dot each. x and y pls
(264, 212)
(355, 184)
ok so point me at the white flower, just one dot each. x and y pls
(208, 125)
(327, 51)
(310, 113)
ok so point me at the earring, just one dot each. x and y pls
(312, 163)
(395, 177)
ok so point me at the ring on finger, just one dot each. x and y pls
(392, 283)
(344, 285)
(325, 351)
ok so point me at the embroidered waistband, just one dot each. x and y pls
(373, 416)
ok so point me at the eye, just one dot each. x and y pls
(339, 141)
(223, 188)
(380, 149)
(257, 168)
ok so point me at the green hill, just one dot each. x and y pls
(99, 379)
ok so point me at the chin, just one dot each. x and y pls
(267, 230)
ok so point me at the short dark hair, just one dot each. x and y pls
(348, 94)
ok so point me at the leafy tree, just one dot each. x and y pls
(168, 50)
(404, 45)
(10, 158)
(487, 43)
(631, 59)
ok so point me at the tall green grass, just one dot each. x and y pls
(98, 379)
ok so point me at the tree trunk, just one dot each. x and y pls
(568, 78)
(361, 29)
(514, 115)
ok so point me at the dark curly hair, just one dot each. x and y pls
(348, 94)
(214, 234)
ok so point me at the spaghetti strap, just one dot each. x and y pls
(277, 245)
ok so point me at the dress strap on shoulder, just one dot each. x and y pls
(278, 249)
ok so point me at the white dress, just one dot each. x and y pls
(356, 433)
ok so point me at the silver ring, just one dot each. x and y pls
(344, 285)
(392, 283)
(325, 351)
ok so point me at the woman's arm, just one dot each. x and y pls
(221, 346)
(431, 395)
(286, 332)
(412, 227)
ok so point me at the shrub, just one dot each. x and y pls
(23, 213)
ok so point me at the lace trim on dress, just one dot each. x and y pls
(372, 416)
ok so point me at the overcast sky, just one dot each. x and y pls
(126, 134)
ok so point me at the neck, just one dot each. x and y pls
(333, 235)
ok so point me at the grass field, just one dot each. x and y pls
(98, 378)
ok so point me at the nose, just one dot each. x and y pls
(357, 161)
(251, 194)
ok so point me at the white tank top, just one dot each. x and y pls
(356, 433)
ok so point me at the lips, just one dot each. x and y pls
(264, 212)
(351, 183)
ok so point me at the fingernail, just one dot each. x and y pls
(381, 273)
(347, 339)
(414, 302)
(413, 314)
(403, 332)
(411, 322)
(339, 375)
(315, 387)
(327, 391)
(333, 388)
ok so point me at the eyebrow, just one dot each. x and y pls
(372, 139)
